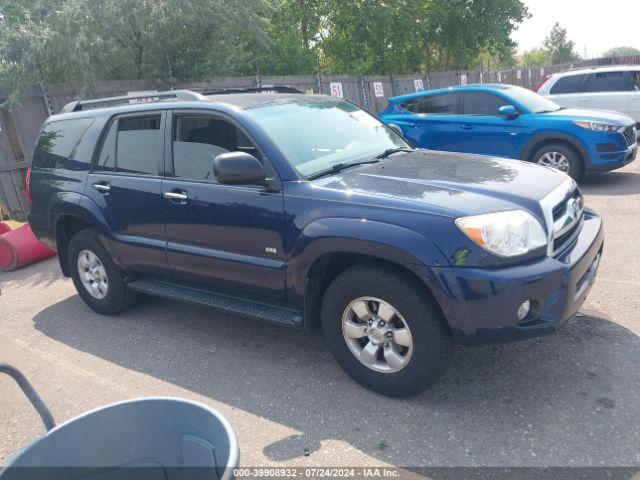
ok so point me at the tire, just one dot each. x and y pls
(115, 296)
(431, 342)
(561, 157)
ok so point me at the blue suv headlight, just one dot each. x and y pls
(599, 126)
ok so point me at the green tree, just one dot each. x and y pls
(291, 46)
(621, 52)
(382, 36)
(83, 41)
(559, 47)
(536, 57)
(460, 30)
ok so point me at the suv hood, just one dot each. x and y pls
(591, 115)
(452, 184)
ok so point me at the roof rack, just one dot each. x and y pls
(180, 95)
(262, 89)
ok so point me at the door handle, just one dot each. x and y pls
(102, 187)
(176, 195)
(467, 126)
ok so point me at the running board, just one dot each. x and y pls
(223, 303)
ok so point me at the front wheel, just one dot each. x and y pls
(385, 331)
(560, 157)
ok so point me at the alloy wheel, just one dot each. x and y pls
(555, 160)
(377, 335)
(93, 274)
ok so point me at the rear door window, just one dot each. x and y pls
(482, 103)
(608, 82)
(132, 145)
(570, 84)
(440, 104)
(58, 142)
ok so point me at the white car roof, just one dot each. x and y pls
(587, 70)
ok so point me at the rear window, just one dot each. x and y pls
(608, 82)
(442, 104)
(571, 84)
(58, 143)
(132, 145)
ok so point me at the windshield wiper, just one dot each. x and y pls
(551, 111)
(391, 151)
(338, 167)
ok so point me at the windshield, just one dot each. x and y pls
(532, 101)
(316, 133)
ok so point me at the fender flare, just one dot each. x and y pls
(75, 205)
(385, 241)
(547, 137)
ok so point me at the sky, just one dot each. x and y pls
(596, 25)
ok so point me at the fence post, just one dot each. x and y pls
(46, 98)
(258, 78)
(365, 93)
(319, 82)
(394, 86)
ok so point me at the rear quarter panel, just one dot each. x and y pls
(54, 190)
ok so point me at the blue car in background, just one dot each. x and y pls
(513, 122)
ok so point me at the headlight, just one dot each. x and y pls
(507, 234)
(599, 126)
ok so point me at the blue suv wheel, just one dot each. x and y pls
(560, 157)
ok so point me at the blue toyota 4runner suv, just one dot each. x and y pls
(514, 122)
(308, 212)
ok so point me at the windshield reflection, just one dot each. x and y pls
(315, 133)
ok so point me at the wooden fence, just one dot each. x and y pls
(20, 127)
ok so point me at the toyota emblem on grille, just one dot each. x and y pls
(574, 207)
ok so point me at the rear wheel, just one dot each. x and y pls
(385, 331)
(560, 157)
(96, 278)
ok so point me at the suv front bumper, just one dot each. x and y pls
(481, 304)
(611, 161)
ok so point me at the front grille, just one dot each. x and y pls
(567, 220)
(630, 135)
(564, 239)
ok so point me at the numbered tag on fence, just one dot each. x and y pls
(336, 89)
(418, 84)
(378, 89)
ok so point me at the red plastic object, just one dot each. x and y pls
(4, 228)
(20, 247)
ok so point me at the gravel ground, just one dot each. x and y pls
(569, 399)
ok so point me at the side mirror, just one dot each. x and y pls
(396, 129)
(238, 168)
(508, 111)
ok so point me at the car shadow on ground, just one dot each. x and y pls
(611, 183)
(565, 399)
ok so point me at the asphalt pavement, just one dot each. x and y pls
(568, 399)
